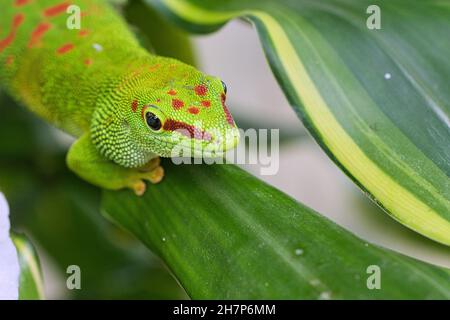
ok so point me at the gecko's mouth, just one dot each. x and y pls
(216, 147)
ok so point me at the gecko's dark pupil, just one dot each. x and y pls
(153, 121)
(224, 87)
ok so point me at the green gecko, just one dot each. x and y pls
(125, 106)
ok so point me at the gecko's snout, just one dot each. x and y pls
(227, 141)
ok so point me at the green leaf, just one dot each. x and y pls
(30, 282)
(226, 234)
(377, 101)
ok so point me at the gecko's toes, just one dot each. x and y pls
(138, 187)
(154, 176)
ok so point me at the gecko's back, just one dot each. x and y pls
(125, 105)
(57, 71)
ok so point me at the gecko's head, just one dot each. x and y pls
(185, 114)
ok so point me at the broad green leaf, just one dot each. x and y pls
(225, 234)
(377, 101)
(30, 281)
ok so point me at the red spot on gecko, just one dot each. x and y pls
(83, 33)
(56, 10)
(153, 68)
(38, 33)
(200, 90)
(172, 92)
(19, 3)
(88, 62)
(65, 48)
(226, 111)
(9, 60)
(134, 105)
(186, 129)
(17, 21)
(193, 110)
(177, 104)
(206, 103)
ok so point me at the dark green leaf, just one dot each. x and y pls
(225, 234)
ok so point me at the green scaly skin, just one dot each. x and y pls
(99, 85)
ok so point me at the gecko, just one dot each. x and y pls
(125, 106)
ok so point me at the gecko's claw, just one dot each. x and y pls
(152, 171)
(154, 176)
(138, 187)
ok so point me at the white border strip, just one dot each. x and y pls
(9, 260)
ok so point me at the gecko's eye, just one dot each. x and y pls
(153, 121)
(224, 87)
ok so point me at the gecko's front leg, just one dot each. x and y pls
(85, 160)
